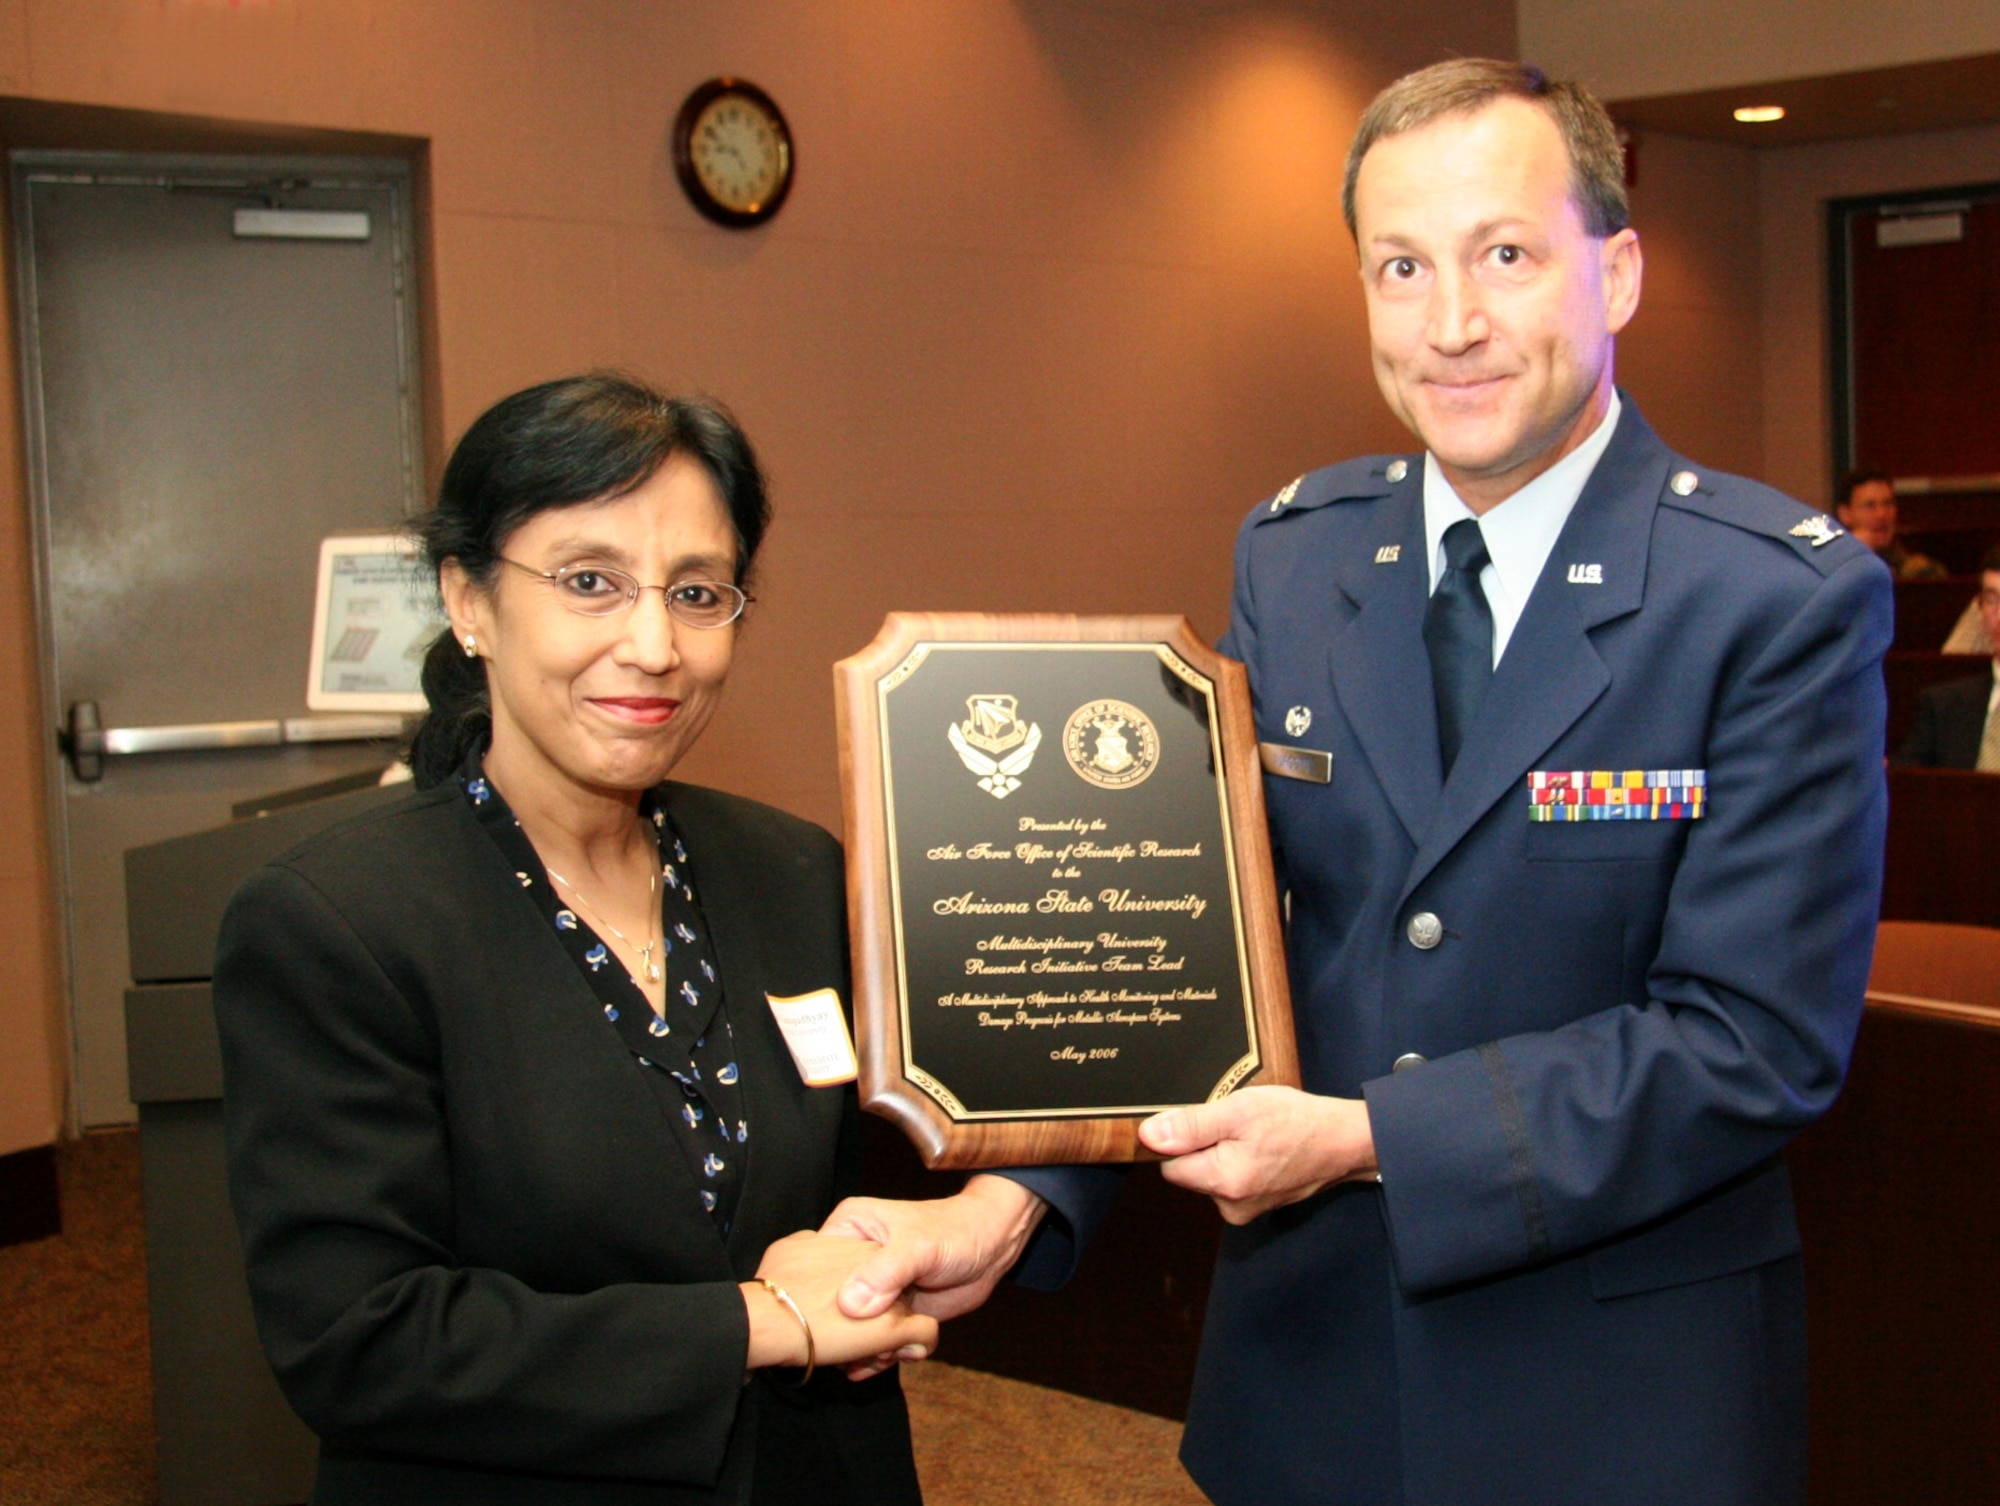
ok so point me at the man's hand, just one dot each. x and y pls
(944, 1256)
(1262, 1148)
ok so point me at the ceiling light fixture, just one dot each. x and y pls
(1759, 114)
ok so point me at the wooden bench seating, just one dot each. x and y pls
(1944, 844)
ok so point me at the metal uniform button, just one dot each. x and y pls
(1684, 483)
(1398, 469)
(1425, 930)
(1406, 1061)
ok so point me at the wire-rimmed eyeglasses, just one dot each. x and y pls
(600, 591)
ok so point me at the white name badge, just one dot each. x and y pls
(816, 1032)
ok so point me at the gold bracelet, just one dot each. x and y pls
(792, 1307)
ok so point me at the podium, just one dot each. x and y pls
(226, 1435)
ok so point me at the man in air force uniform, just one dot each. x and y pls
(1581, 919)
(1582, 877)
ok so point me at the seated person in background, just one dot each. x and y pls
(1867, 509)
(1958, 722)
(1969, 634)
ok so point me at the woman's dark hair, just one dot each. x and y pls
(579, 439)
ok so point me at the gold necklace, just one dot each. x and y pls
(648, 966)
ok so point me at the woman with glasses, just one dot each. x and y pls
(517, 1147)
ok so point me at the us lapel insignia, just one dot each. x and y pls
(1388, 554)
(1819, 528)
(1586, 575)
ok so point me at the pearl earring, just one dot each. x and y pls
(471, 647)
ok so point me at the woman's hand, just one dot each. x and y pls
(812, 1268)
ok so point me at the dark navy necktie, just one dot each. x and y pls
(1458, 632)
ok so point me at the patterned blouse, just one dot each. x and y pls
(689, 1053)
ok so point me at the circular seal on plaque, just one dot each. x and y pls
(1112, 744)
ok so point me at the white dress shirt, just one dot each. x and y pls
(1520, 531)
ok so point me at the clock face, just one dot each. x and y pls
(734, 152)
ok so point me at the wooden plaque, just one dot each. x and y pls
(1059, 883)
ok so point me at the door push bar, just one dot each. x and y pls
(88, 742)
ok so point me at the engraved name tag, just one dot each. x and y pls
(1309, 764)
(816, 1031)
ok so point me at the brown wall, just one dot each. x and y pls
(1061, 290)
(1691, 358)
(33, 1061)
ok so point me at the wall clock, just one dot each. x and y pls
(733, 152)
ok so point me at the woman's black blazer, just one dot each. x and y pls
(477, 1256)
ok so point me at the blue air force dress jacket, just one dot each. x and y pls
(1577, 1281)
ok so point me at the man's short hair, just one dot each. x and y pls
(1855, 479)
(1990, 561)
(1465, 86)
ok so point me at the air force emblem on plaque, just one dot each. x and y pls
(994, 743)
(1112, 744)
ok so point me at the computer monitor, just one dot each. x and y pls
(375, 614)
